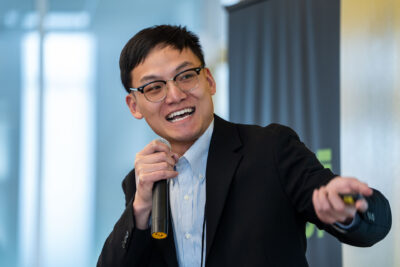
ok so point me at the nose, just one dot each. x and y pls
(174, 93)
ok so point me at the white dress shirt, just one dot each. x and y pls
(187, 199)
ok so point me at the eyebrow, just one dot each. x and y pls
(153, 77)
(183, 65)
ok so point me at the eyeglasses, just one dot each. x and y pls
(156, 91)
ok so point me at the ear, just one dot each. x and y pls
(210, 81)
(131, 101)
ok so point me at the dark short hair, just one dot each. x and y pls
(139, 46)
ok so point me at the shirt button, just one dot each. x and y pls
(201, 176)
(186, 197)
(187, 236)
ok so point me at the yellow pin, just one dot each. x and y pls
(159, 235)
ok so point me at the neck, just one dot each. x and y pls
(181, 148)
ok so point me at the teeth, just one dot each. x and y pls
(179, 119)
(179, 112)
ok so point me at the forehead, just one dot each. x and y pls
(164, 61)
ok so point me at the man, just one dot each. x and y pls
(240, 195)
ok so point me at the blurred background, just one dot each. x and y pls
(67, 138)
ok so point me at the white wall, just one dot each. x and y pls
(370, 113)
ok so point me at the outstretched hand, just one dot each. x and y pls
(329, 206)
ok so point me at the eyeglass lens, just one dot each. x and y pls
(156, 91)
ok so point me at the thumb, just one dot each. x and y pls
(362, 205)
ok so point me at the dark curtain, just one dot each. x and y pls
(284, 67)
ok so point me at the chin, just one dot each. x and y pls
(185, 138)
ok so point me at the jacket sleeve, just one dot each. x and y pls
(300, 173)
(372, 225)
(126, 245)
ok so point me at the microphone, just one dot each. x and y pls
(159, 213)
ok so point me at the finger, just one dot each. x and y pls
(345, 215)
(340, 212)
(367, 191)
(154, 146)
(145, 182)
(152, 177)
(323, 208)
(155, 158)
(353, 185)
(336, 202)
(323, 200)
(361, 188)
(361, 205)
(147, 168)
(350, 211)
(175, 156)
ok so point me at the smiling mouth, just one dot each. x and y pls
(180, 114)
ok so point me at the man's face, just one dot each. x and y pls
(197, 106)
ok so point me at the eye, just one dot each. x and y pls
(186, 76)
(153, 87)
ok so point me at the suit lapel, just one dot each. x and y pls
(223, 158)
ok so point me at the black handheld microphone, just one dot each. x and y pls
(159, 213)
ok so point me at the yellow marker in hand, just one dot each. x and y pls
(351, 199)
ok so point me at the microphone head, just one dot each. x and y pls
(165, 142)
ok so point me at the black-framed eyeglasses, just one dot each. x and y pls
(156, 91)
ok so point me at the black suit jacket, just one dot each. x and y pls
(259, 184)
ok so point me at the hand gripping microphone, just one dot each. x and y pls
(159, 213)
